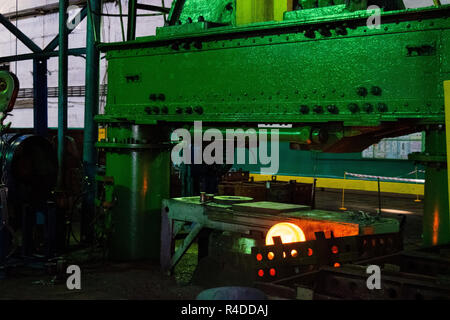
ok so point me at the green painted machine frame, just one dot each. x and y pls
(323, 68)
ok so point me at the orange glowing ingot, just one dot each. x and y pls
(288, 232)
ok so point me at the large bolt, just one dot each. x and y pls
(165, 110)
(353, 107)
(376, 91)
(189, 110)
(318, 109)
(361, 91)
(3, 85)
(310, 33)
(341, 31)
(155, 110)
(304, 109)
(198, 109)
(333, 109)
(382, 107)
(198, 45)
(325, 31)
(179, 110)
(368, 107)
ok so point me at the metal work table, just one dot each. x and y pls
(253, 223)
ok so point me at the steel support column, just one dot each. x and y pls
(131, 30)
(62, 89)
(90, 129)
(40, 92)
(139, 162)
(436, 217)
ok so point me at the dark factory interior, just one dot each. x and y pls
(192, 150)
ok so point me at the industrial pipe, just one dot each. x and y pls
(62, 89)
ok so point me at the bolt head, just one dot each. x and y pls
(376, 91)
(368, 107)
(353, 107)
(382, 107)
(361, 91)
(333, 109)
(318, 109)
(304, 109)
(3, 85)
(198, 110)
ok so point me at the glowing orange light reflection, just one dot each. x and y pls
(288, 232)
(435, 226)
(335, 249)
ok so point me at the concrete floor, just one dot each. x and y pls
(105, 280)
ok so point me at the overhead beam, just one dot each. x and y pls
(149, 7)
(40, 55)
(19, 34)
(44, 10)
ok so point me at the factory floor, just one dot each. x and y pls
(106, 280)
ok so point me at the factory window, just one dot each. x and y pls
(395, 148)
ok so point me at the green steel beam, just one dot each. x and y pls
(131, 29)
(359, 90)
(19, 34)
(436, 215)
(62, 90)
(42, 55)
(90, 128)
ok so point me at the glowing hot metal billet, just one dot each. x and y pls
(288, 232)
